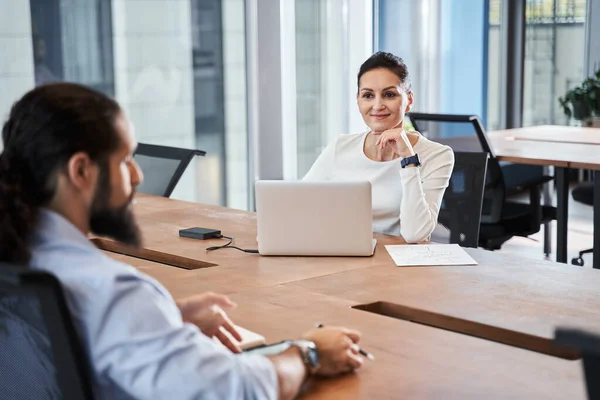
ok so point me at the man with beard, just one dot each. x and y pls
(67, 170)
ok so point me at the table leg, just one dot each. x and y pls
(596, 253)
(547, 197)
(562, 213)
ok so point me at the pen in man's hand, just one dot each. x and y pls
(361, 351)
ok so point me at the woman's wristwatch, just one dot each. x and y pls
(412, 160)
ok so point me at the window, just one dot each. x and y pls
(72, 41)
(177, 68)
(180, 75)
(554, 57)
(311, 84)
(444, 44)
(332, 39)
(494, 67)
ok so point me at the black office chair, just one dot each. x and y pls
(460, 212)
(501, 219)
(583, 193)
(588, 345)
(163, 167)
(40, 356)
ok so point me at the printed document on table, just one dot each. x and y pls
(429, 255)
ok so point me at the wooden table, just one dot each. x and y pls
(507, 299)
(553, 133)
(561, 147)
(412, 360)
(513, 303)
(162, 218)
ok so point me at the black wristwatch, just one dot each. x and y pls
(410, 160)
(308, 351)
(310, 355)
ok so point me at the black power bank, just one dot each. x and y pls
(200, 233)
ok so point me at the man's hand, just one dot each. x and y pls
(206, 312)
(338, 349)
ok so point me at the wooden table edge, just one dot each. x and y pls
(152, 255)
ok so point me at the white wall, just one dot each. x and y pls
(152, 44)
(16, 54)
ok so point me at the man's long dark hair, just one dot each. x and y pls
(45, 128)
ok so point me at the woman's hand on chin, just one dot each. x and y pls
(399, 140)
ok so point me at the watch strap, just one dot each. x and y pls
(306, 347)
(412, 160)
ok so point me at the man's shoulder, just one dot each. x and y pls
(81, 267)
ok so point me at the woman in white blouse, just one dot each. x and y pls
(408, 172)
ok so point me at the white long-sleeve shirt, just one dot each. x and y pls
(406, 202)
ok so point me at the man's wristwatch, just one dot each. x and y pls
(310, 355)
(410, 160)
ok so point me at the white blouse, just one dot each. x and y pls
(406, 202)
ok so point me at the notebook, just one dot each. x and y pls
(429, 255)
(249, 339)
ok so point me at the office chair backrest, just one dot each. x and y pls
(465, 133)
(162, 166)
(40, 356)
(461, 206)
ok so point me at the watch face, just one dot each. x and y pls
(270, 349)
(313, 357)
(310, 349)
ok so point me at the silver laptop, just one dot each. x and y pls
(314, 218)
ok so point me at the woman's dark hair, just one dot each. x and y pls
(45, 128)
(388, 61)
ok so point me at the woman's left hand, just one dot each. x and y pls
(398, 139)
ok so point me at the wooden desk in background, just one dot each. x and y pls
(562, 147)
(553, 133)
(504, 299)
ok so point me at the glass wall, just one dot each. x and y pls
(173, 69)
(176, 66)
(16, 54)
(72, 41)
(494, 66)
(554, 57)
(457, 71)
(332, 38)
(444, 44)
(319, 79)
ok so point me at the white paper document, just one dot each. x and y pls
(429, 255)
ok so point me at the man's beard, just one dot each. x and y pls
(117, 223)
